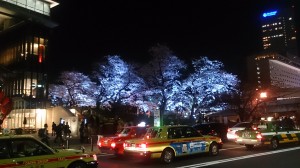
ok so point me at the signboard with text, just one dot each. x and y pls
(156, 118)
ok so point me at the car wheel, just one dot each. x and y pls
(249, 147)
(167, 156)
(213, 149)
(77, 165)
(274, 144)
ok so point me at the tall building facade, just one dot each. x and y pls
(279, 30)
(278, 65)
(25, 28)
(271, 70)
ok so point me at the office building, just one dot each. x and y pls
(278, 65)
(272, 70)
(25, 27)
(279, 29)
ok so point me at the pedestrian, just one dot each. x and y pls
(53, 128)
(43, 134)
(86, 133)
(59, 130)
(67, 130)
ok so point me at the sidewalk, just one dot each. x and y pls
(74, 143)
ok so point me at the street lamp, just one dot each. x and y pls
(263, 95)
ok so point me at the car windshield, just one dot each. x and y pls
(123, 132)
(140, 131)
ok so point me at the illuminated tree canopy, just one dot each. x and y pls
(117, 82)
(75, 89)
(208, 82)
(165, 83)
(162, 76)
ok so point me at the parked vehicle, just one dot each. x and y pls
(114, 144)
(168, 142)
(27, 151)
(213, 128)
(268, 133)
(239, 126)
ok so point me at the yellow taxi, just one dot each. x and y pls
(28, 152)
(168, 142)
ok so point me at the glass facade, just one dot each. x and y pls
(23, 55)
(26, 59)
(40, 6)
(279, 31)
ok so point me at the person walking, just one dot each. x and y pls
(86, 133)
(67, 130)
(81, 132)
(53, 129)
(59, 131)
(43, 134)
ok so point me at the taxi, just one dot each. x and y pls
(168, 142)
(26, 151)
(268, 133)
(114, 144)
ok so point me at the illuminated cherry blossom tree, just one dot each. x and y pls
(162, 76)
(117, 82)
(74, 89)
(158, 85)
(203, 87)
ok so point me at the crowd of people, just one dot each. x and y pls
(62, 131)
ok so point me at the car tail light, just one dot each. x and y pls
(143, 145)
(113, 145)
(258, 136)
(99, 144)
(95, 157)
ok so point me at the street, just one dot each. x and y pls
(231, 156)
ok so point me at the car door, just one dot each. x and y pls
(27, 153)
(288, 127)
(177, 141)
(186, 140)
(196, 142)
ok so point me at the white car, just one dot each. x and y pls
(239, 126)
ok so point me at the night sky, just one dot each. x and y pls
(228, 31)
